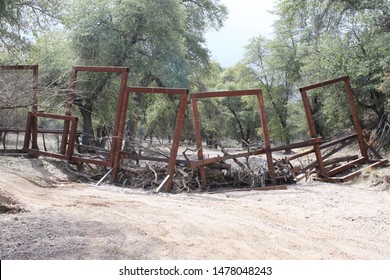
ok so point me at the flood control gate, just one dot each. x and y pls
(70, 135)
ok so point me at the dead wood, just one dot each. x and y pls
(225, 153)
(339, 159)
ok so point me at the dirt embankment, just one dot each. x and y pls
(44, 216)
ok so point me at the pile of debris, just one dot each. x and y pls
(222, 175)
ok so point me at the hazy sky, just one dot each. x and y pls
(247, 19)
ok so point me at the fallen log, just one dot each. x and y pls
(339, 159)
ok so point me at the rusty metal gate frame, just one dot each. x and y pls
(34, 69)
(322, 173)
(172, 161)
(69, 137)
(201, 163)
(69, 134)
(117, 137)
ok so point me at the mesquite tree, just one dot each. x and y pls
(160, 41)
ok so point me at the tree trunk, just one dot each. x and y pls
(85, 107)
(315, 111)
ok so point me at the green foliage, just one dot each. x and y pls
(160, 41)
(53, 52)
(22, 21)
(316, 41)
(272, 65)
(228, 117)
(338, 38)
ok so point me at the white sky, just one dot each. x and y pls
(247, 19)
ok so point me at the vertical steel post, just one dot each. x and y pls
(35, 89)
(176, 140)
(264, 127)
(69, 107)
(71, 92)
(34, 122)
(73, 134)
(313, 131)
(119, 127)
(27, 133)
(198, 139)
(355, 117)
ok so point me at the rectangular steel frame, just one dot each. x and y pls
(118, 133)
(34, 69)
(197, 125)
(69, 133)
(353, 109)
(184, 95)
(69, 137)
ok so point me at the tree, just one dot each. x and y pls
(228, 117)
(21, 21)
(160, 41)
(337, 38)
(272, 65)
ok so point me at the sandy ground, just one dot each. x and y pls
(54, 219)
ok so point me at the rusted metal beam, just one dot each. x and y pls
(224, 93)
(345, 167)
(313, 131)
(155, 159)
(72, 137)
(27, 134)
(358, 172)
(105, 69)
(35, 107)
(323, 146)
(325, 156)
(198, 139)
(40, 130)
(47, 154)
(195, 164)
(355, 117)
(176, 139)
(54, 116)
(154, 90)
(119, 127)
(18, 67)
(324, 83)
(35, 88)
(353, 175)
(296, 145)
(264, 127)
(69, 108)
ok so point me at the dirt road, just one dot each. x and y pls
(55, 219)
